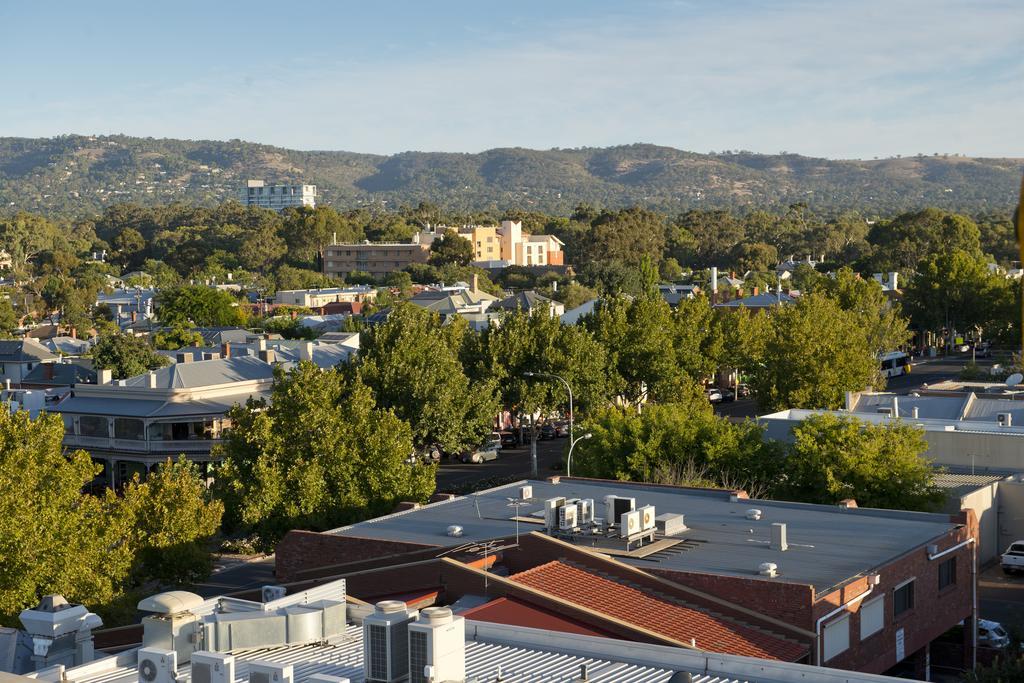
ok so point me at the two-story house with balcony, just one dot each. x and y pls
(133, 424)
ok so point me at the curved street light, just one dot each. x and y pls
(568, 460)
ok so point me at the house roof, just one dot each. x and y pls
(59, 375)
(829, 545)
(765, 300)
(526, 301)
(671, 618)
(518, 613)
(204, 373)
(24, 351)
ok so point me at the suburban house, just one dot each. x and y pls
(529, 301)
(318, 298)
(19, 357)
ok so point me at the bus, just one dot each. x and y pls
(894, 363)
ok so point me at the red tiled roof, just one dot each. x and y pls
(516, 613)
(632, 605)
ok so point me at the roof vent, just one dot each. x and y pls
(454, 530)
(769, 569)
(754, 514)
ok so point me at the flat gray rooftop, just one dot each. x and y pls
(828, 545)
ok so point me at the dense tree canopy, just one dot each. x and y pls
(198, 305)
(321, 454)
(126, 355)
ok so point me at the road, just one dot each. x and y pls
(1001, 598)
(511, 463)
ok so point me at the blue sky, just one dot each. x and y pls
(837, 79)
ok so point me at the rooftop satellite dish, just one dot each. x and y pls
(1014, 379)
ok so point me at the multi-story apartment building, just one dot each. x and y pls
(278, 197)
(508, 244)
(377, 259)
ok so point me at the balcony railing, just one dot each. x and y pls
(134, 446)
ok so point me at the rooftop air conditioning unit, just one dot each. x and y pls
(647, 518)
(324, 678)
(386, 642)
(567, 520)
(1004, 419)
(270, 672)
(585, 511)
(157, 665)
(437, 641)
(629, 523)
(551, 506)
(616, 506)
(213, 667)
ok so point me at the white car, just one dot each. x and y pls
(992, 634)
(482, 454)
(1012, 560)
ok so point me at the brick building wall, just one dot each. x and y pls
(305, 554)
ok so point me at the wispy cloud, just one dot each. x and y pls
(824, 78)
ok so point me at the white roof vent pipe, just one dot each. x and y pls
(769, 569)
(779, 541)
(454, 530)
(754, 514)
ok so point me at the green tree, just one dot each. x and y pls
(177, 337)
(811, 353)
(880, 466)
(175, 518)
(953, 290)
(880, 317)
(903, 242)
(626, 236)
(126, 355)
(8, 318)
(411, 363)
(54, 538)
(198, 305)
(647, 445)
(321, 454)
(451, 248)
(129, 244)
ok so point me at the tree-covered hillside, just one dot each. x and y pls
(78, 174)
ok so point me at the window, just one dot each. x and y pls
(92, 425)
(125, 428)
(903, 598)
(872, 616)
(947, 573)
(837, 636)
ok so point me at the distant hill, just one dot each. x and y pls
(78, 175)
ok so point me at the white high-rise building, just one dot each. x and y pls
(278, 197)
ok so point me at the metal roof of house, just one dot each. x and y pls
(59, 374)
(526, 301)
(672, 618)
(765, 300)
(132, 407)
(205, 373)
(829, 545)
(24, 351)
(958, 484)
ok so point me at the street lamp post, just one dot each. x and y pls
(568, 459)
(567, 388)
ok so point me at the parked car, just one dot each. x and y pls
(983, 350)
(547, 431)
(482, 454)
(561, 429)
(743, 391)
(728, 395)
(508, 440)
(495, 440)
(1012, 560)
(713, 395)
(992, 634)
(962, 348)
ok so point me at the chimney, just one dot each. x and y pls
(779, 536)
(74, 333)
(757, 290)
(225, 350)
(714, 279)
(261, 345)
(913, 412)
(894, 281)
(306, 351)
(102, 376)
(268, 356)
(183, 357)
(135, 315)
(151, 379)
(848, 503)
(476, 282)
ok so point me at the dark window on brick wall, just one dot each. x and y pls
(903, 599)
(947, 573)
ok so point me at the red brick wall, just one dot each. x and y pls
(934, 612)
(301, 552)
(789, 602)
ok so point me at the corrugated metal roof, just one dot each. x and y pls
(344, 657)
(961, 484)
